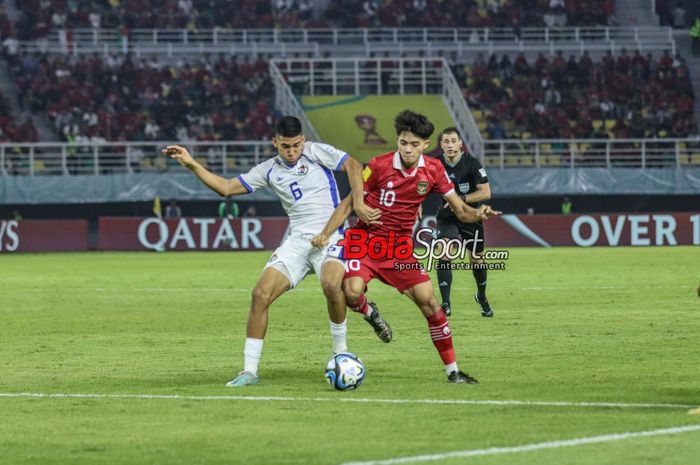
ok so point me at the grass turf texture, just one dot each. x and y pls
(334, 119)
(613, 325)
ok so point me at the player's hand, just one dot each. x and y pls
(485, 212)
(367, 214)
(180, 154)
(320, 241)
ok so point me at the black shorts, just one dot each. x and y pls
(452, 229)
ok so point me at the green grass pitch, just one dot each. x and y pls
(617, 325)
(334, 119)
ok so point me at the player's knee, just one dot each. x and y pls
(432, 304)
(261, 297)
(331, 287)
(352, 293)
(427, 303)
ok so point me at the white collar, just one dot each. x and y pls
(399, 166)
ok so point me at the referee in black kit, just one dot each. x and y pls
(472, 184)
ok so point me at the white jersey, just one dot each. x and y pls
(308, 190)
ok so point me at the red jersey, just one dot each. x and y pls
(398, 193)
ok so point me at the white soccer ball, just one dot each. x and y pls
(345, 371)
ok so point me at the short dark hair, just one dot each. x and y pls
(288, 126)
(409, 121)
(450, 130)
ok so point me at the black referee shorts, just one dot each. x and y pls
(454, 229)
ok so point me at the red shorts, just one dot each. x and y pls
(399, 274)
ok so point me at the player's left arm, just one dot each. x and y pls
(467, 214)
(354, 170)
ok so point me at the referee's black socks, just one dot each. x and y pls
(480, 278)
(444, 275)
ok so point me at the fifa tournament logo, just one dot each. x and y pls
(368, 124)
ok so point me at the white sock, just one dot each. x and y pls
(451, 367)
(339, 332)
(252, 354)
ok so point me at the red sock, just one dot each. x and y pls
(360, 306)
(442, 336)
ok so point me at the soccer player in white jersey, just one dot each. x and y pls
(301, 175)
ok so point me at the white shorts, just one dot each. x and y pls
(296, 257)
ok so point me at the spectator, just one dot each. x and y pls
(228, 209)
(664, 11)
(134, 155)
(495, 129)
(566, 206)
(251, 212)
(173, 210)
(695, 36)
(10, 48)
(679, 16)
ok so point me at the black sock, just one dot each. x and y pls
(480, 278)
(444, 275)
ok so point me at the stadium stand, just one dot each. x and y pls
(136, 93)
(471, 13)
(624, 96)
(36, 22)
(39, 17)
(10, 131)
(121, 98)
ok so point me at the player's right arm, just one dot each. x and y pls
(341, 213)
(221, 186)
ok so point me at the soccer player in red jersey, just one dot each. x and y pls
(397, 183)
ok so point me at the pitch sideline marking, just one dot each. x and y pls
(530, 447)
(525, 403)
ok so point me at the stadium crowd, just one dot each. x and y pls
(471, 13)
(10, 131)
(223, 98)
(39, 17)
(220, 98)
(624, 96)
(121, 98)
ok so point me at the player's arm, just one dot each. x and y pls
(483, 189)
(482, 193)
(354, 170)
(221, 186)
(467, 214)
(341, 213)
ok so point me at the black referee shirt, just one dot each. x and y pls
(466, 174)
